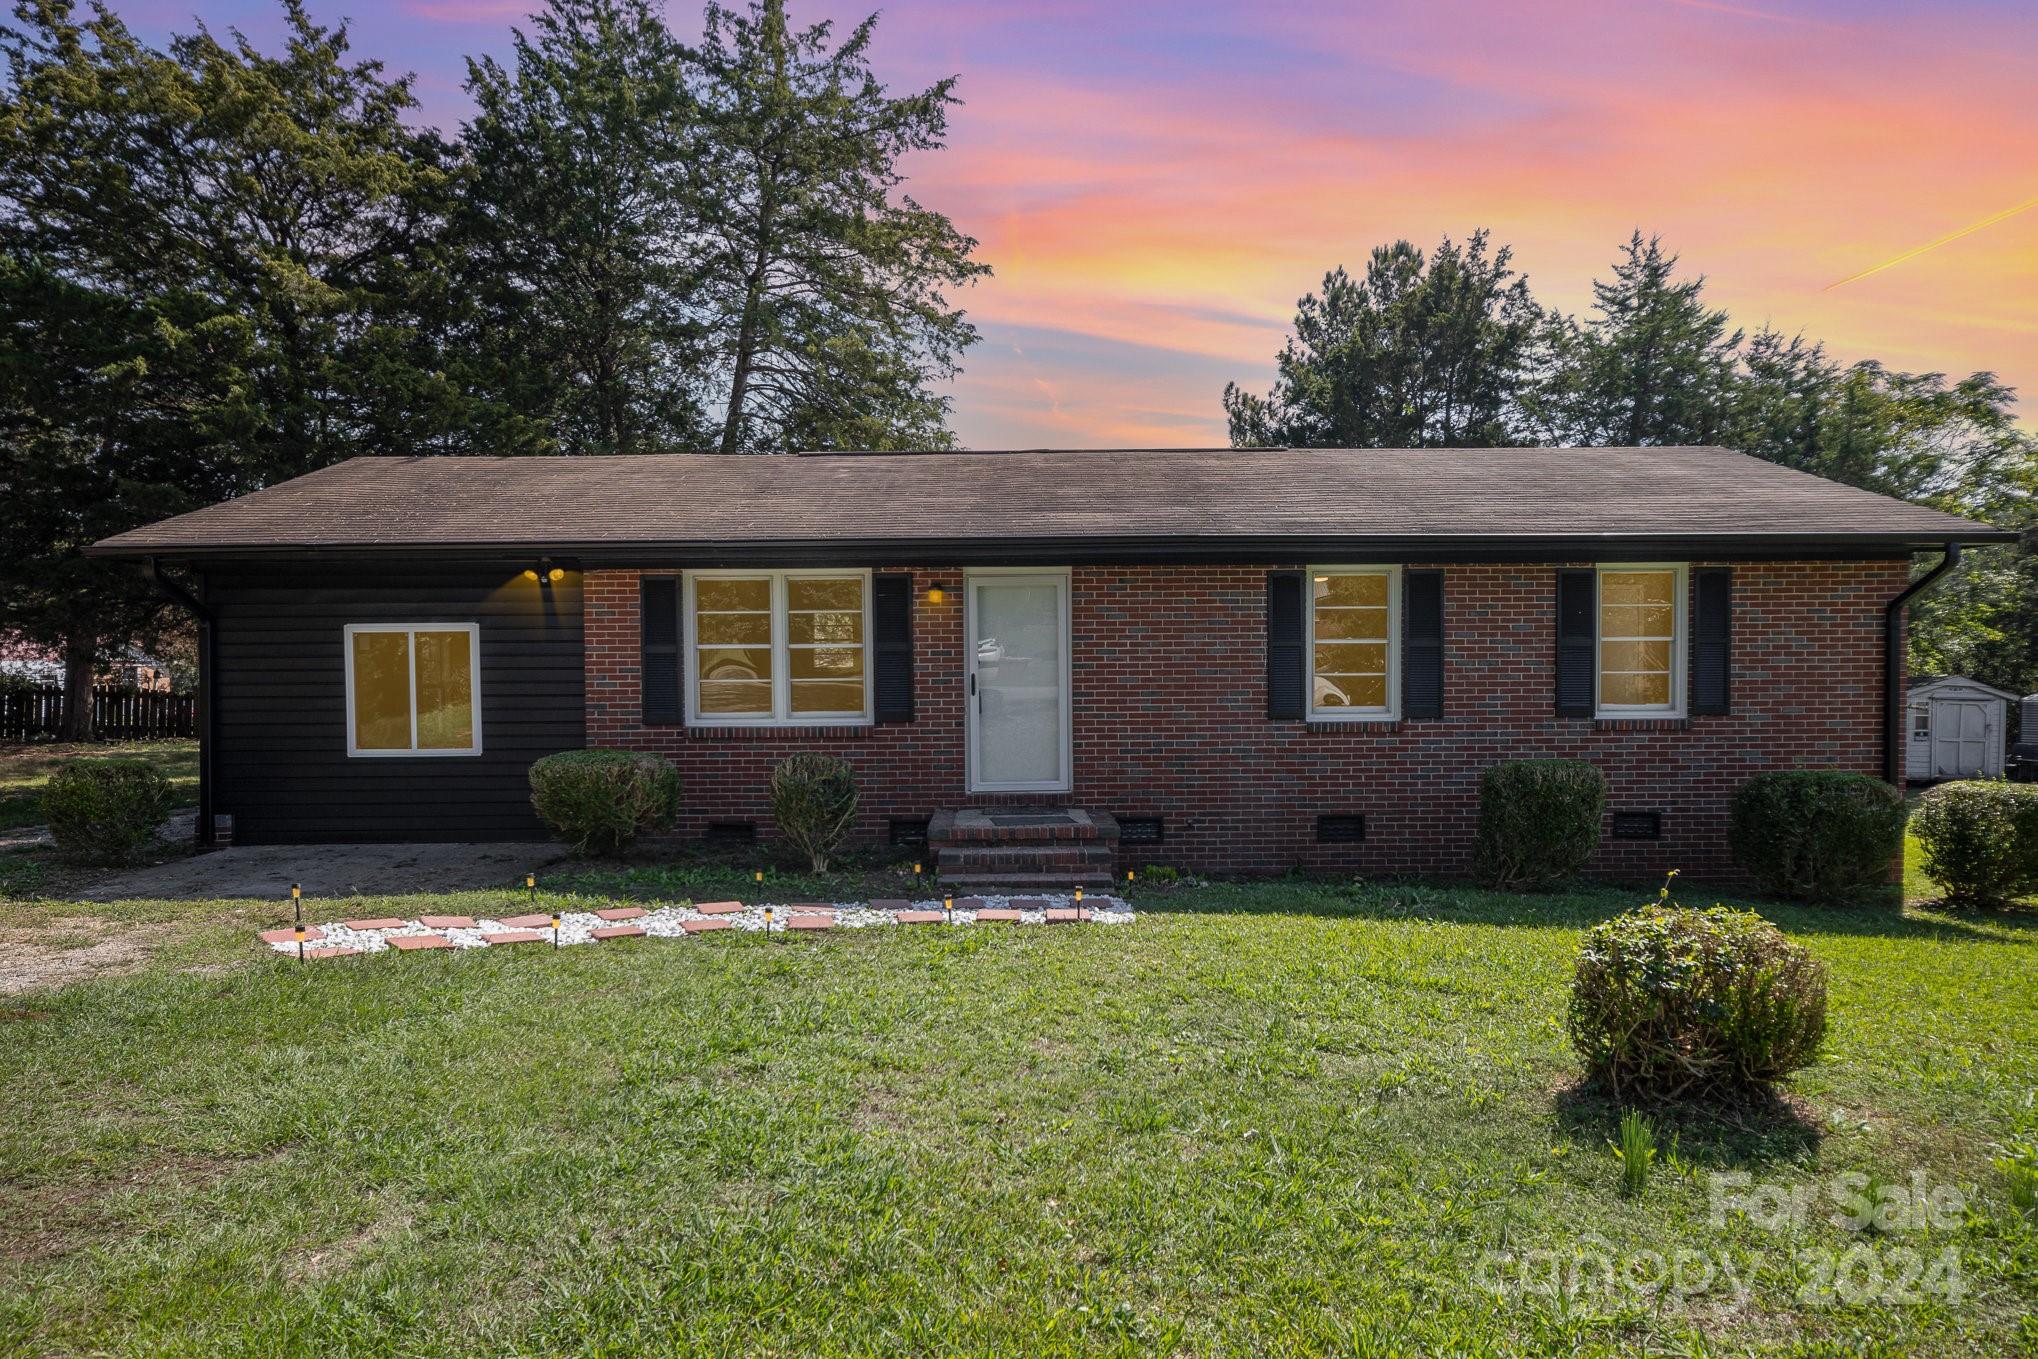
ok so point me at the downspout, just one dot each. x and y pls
(177, 594)
(1893, 664)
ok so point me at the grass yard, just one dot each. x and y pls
(1285, 1119)
(25, 768)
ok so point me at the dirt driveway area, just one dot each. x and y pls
(266, 871)
(48, 943)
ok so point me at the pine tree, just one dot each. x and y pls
(576, 238)
(826, 288)
(1653, 365)
(1426, 351)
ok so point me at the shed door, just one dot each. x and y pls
(1959, 739)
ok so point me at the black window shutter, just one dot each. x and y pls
(1577, 635)
(1712, 644)
(1286, 675)
(891, 612)
(658, 665)
(1422, 644)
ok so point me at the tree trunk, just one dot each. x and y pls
(746, 338)
(79, 655)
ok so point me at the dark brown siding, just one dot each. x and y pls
(283, 769)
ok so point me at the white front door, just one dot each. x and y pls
(1959, 739)
(1018, 682)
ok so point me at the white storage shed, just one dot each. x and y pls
(1957, 729)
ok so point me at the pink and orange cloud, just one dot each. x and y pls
(1156, 183)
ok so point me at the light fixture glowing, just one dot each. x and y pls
(531, 576)
(936, 593)
(557, 573)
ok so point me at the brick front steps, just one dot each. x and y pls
(1048, 847)
(342, 939)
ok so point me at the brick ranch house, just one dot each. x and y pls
(1248, 660)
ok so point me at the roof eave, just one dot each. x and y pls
(1110, 548)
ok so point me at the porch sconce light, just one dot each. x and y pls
(936, 593)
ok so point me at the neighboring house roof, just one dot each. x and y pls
(1188, 501)
(1922, 687)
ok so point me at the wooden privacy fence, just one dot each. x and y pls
(117, 714)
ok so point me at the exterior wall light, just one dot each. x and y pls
(936, 593)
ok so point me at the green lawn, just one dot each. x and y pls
(1285, 1119)
(24, 769)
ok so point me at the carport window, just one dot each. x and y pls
(413, 689)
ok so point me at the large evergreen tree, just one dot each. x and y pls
(215, 269)
(576, 238)
(1425, 351)
(1653, 364)
(827, 290)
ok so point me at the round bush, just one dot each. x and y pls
(1538, 820)
(105, 811)
(813, 800)
(599, 801)
(1670, 1002)
(1980, 840)
(1817, 834)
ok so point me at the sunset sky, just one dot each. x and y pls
(1155, 184)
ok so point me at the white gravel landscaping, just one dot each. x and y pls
(669, 922)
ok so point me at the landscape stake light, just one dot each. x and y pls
(555, 927)
(297, 914)
(947, 909)
(767, 917)
(1128, 877)
(758, 877)
(1079, 898)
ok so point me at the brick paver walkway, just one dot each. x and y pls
(352, 938)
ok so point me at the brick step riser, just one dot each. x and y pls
(999, 860)
(1028, 835)
(968, 882)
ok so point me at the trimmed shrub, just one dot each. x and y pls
(1817, 834)
(106, 811)
(813, 800)
(1670, 1002)
(1980, 839)
(1538, 820)
(599, 801)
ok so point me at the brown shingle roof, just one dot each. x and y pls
(1200, 497)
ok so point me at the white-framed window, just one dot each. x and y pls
(777, 648)
(1354, 622)
(413, 688)
(1640, 666)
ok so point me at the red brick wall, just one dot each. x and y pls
(1170, 704)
